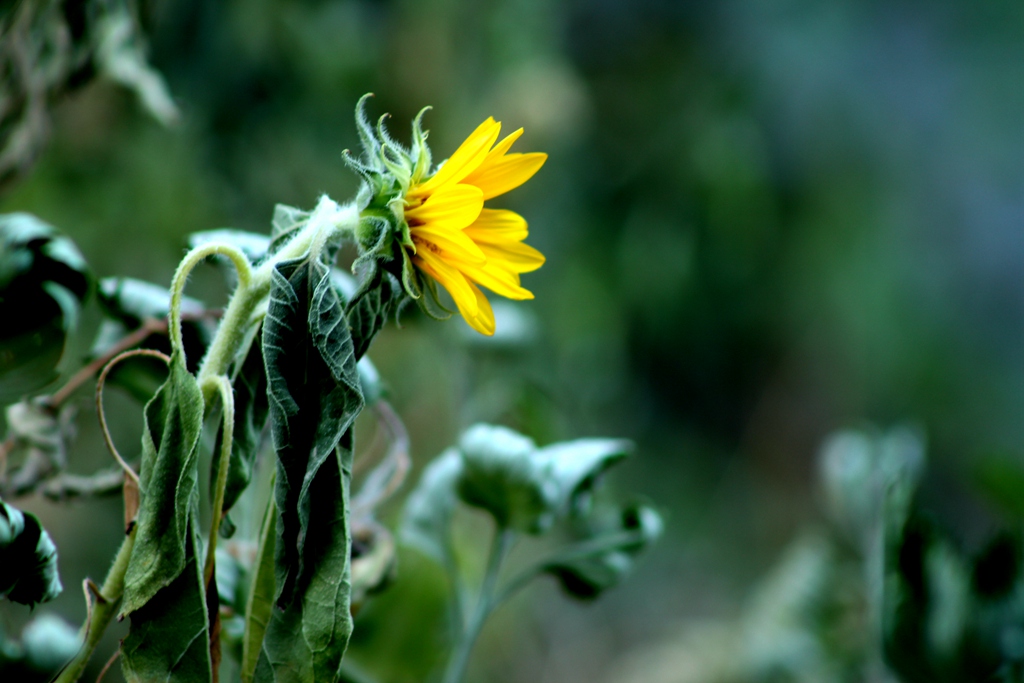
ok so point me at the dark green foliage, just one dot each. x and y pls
(43, 282)
(314, 391)
(28, 558)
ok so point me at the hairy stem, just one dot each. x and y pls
(228, 401)
(106, 607)
(500, 545)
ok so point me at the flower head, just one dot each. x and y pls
(446, 233)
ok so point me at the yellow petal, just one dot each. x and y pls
(498, 225)
(506, 173)
(452, 208)
(451, 279)
(467, 157)
(483, 321)
(497, 279)
(447, 244)
(499, 149)
(514, 256)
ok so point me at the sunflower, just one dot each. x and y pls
(461, 244)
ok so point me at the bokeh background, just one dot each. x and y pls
(764, 220)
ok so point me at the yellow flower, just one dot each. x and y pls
(460, 243)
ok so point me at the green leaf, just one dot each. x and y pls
(306, 640)
(314, 396)
(28, 558)
(427, 517)
(43, 282)
(502, 474)
(606, 557)
(577, 466)
(169, 474)
(169, 638)
(251, 410)
(314, 391)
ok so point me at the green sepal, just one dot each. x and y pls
(169, 486)
(28, 558)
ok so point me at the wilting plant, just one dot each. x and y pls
(288, 353)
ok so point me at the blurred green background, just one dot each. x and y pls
(764, 220)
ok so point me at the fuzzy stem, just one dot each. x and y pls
(108, 603)
(500, 544)
(228, 400)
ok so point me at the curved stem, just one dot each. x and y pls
(228, 399)
(190, 261)
(500, 545)
(128, 471)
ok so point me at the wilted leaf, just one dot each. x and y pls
(169, 473)
(305, 640)
(260, 602)
(43, 281)
(28, 558)
(314, 398)
(502, 474)
(169, 638)
(605, 558)
(426, 519)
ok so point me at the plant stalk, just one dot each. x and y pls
(107, 605)
(500, 545)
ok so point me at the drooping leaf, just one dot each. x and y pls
(305, 641)
(41, 435)
(314, 396)
(502, 474)
(169, 638)
(43, 282)
(576, 466)
(28, 558)
(314, 391)
(169, 475)
(251, 410)
(606, 556)
(426, 519)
